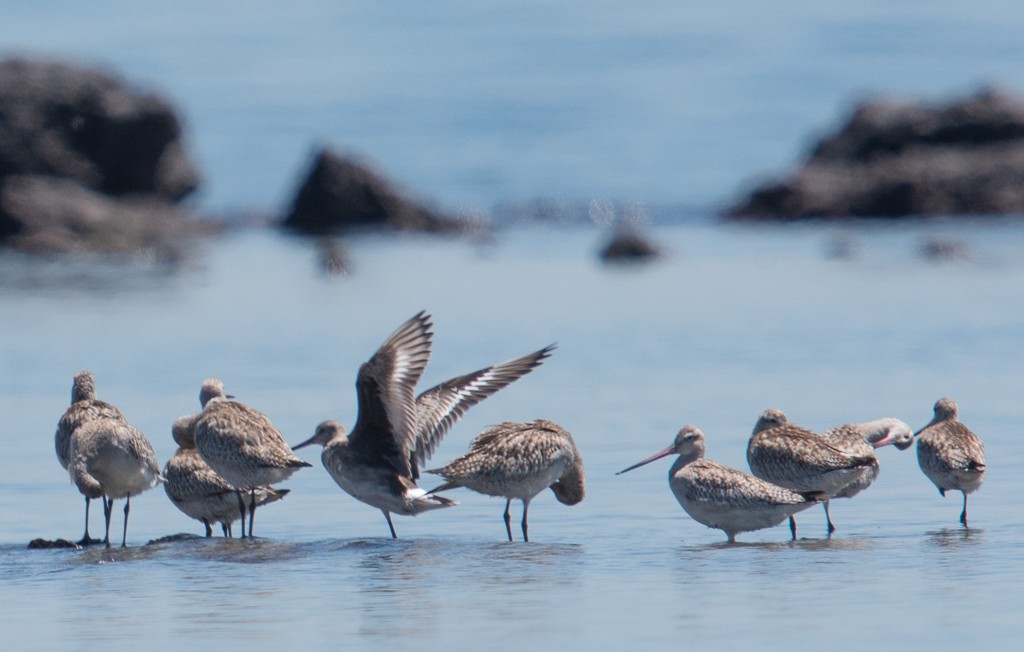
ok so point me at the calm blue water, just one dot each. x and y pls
(733, 321)
(469, 106)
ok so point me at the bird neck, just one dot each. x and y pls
(685, 458)
(874, 431)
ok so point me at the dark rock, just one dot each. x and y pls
(340, 193)
(88, 164)
(629, 245)
(62, 120)
(898, 159)
(41, 214)
(47, 544)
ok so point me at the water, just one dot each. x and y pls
(469, 106)
(734, 320)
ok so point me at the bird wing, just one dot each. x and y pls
(712, 482)
(438, 408)
(386, 385)
(80, 413)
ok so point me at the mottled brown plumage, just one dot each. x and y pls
(861, 440)
(85, 407)
(242, 446)
(110, 459)
(519, 460)
(721, 497)
(378, 463)
(950, 454)
(796, 458)
(198, 492)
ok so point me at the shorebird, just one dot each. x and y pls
(950, 454)
(795, 458)
(861, 439)
(111, 459)
(378, 463)
(200, 493)
(519, 460)
(242, 446)
(84, 407)
(721, 497)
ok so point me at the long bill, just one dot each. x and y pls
(657, 456)
(891, 438)
(309, 441)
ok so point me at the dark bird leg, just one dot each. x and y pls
(508, 519)
(252, 509)
(828, 519)
(225, 528)
(108, 506)
(209, 529)
(86, 539)
(241, 509)
(792, 527)
(390, 524)
(124, 532)
(963, 514)
(526, 508)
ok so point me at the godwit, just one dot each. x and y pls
(200, 493)
(110, 459)
(242, 446)
(862, 439)
(519, 460)
(378, 463)
(721, 497)
(950, 454)
(796, 458)
(85, 407)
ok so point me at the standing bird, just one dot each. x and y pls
(796, 458)
(378, 463)
(84, 407)
(721, 497)
(519, 460)
(111, 459)
(200, 493)
(242, 446)
(950, 454)
(862, 439)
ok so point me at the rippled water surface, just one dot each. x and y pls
(470, 105)
(733, 320)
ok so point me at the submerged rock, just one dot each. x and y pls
(340, 193)
(895, 159)
(628, 245)
(945, 249)
(85, 160)
(175, 538)
(334, 260)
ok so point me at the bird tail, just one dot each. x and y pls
(427, 501)
(442, 501)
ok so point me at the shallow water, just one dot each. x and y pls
(471, 105)
(734, 320)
